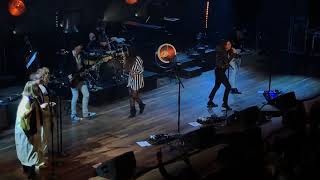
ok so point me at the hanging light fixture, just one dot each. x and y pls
(131, 1)
(16, 7)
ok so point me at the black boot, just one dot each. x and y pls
(141, 107)
(235, 91)
(132, 112)
(210, 104)
(226, 107)
(25, 169)
(31, 172)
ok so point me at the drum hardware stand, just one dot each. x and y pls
(92, 81)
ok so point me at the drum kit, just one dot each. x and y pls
(109, 65)
(106, 66)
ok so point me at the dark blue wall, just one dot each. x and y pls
(271, 17)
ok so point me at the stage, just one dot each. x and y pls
(112, 133)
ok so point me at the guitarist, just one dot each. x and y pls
(224, 54)
(75, 68)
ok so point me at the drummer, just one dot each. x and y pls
(97, 45)
(103, 38)
(93, 43)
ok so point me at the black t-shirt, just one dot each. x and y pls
(70, 66)
(93, 45)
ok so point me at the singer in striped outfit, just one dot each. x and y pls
(134, 66)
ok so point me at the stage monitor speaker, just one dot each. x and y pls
(120, 168)
(250, 116)
(285, 101)
(200, 138)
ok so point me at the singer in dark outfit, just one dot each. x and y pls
(224, 54)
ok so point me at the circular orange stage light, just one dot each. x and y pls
(131, 1)
(166, 53)
(16, 7)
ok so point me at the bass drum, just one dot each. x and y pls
(121, 54)
(110, 71)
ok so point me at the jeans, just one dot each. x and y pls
(233, 71)
(85, 100)
(221, 78)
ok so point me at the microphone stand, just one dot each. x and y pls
(180, 146)
(270, 94)
(177, 75)
(175, 68)
(58, 129)
(52, 174)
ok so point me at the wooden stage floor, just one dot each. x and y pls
(111, 133)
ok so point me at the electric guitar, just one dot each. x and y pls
(77, 78)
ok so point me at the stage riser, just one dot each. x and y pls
(115, 92)
(191, 72)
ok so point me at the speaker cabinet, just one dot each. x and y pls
(250, 116)
(120, 168)
(285, 102)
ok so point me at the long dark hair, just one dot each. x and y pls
(131, 59)
(223, 42)
(221, 45)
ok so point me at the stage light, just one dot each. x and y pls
(16, 7)
(131, 1)
(166, 53)
(207, 13)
